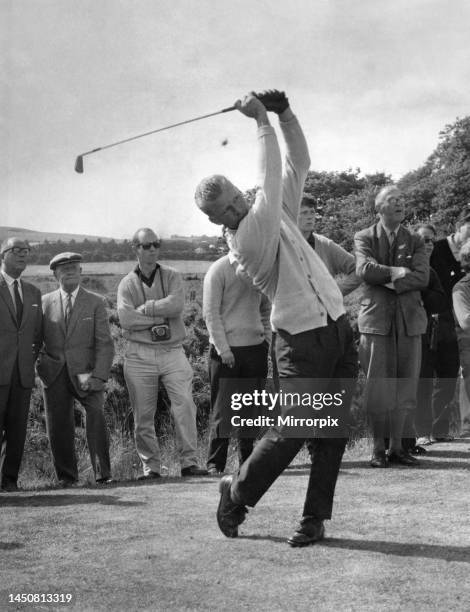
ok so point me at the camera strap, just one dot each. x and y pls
(167, 322)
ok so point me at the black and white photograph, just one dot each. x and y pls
(235, 305)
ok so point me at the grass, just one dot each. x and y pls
(398, 541)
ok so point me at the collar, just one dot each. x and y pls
(9, 279)
(64, 294)
(389, 231)
(147, 280)
(453, 247)
(231, 258)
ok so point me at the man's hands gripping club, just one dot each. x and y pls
(256, 105)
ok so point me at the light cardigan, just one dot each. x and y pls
(270, 247)
(236, 313)
(132, 293)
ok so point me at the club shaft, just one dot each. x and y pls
(167, 127)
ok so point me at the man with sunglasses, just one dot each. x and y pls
(20, 341)
(150, 304)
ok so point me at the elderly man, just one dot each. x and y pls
(445, 260)
(20, 340)
(150, 304)
(314, 343)
(74, 363)
(393, 263)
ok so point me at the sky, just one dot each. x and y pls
(371, 81)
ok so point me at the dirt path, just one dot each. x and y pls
(399, 540)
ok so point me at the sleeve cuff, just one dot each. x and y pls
(266, 130)
(292, 121)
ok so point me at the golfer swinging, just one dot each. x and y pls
(314, 339)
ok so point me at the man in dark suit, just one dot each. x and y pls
(445, 260)
(394, 266)
(75, 363)
(20, 340)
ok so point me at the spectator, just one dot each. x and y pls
(394, 266)
(445, 260)
(461, 303)
(20, 341)
(237, 318)
(74, 363)
(150, 304)
(341, 264)
(434, 301)
(338, 261)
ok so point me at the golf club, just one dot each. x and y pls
(79, 160)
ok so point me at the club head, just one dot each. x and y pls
(79, 164)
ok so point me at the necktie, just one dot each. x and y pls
(391, 253)
(68, 309)
(18, 303)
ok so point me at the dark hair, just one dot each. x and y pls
(308, 202)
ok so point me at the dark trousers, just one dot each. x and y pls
(418, 422)
(447, 368)
(14, 408)
(328, 355)
(248, 373)
(58, 402)
(423, 416)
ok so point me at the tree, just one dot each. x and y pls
(439, 189)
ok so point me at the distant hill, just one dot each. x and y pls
(35, 237)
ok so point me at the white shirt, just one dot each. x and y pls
(453, 247)
(389, 233)
(10, 282)
(64, 297)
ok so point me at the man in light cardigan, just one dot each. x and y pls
(237, 318)
(152, 296)
(314, 342)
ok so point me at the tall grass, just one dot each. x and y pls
(37, 470)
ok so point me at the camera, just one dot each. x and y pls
(160, 333)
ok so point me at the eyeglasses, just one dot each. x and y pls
(428, 240)
(18, 250)
(146, 246)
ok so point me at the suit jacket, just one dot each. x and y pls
(85, 346)
(380, 305)
(449, 271)
(21, 343)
